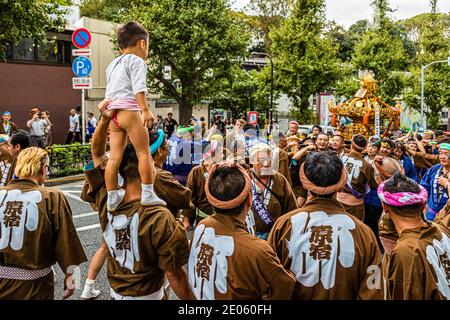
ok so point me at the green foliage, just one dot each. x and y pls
(67, 160)
(201, 42)
(305, 59)
(28, 19)
(109, 10)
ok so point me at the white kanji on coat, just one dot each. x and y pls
(438, 255)
(18, 213)
(353, 167)
(317, 242)
(121, 237)
(208, 265)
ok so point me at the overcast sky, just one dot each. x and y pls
(346, 12)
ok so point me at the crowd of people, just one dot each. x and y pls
(229, 212)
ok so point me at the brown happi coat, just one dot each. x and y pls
(360, 175)
(141, 250)
(283, 167)
(196, 183)
(43, 219)
(176, 195)
(281, 201)
(419, 266)
(333, 254)
(251, 269)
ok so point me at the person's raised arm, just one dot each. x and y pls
(99, 138)
(30, 122)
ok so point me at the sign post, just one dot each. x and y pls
(82, 67)
(252, 117)
(377, 122)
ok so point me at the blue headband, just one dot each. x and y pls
(155, 146)
(6, 113)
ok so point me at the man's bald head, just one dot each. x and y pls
(386, 168)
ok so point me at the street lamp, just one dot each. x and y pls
(422, 84)
(271, 79)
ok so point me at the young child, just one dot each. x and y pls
(126, 88)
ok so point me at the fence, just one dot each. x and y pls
(66, 160)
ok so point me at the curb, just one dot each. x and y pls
(64, 180)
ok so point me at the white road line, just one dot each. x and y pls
(68, 194)
(85, 215)
(92, 226)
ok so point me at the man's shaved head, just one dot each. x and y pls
(389, 168)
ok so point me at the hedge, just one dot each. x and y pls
(66, 160)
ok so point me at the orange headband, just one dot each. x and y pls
(231, 204)
(308, 185)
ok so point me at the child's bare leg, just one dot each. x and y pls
(138, 135)
(97, 262)
(117, 142)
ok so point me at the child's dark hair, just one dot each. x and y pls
(130, 33)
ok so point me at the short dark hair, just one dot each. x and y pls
(401, 183)
(318, 127)
(227, 184)
(389, 141)
(323, 168)
(360, 140)
(130, 33)
(323, 134)
(202, 118)
(21, 138)
(154, 136)
(128, 168)
(438, 133)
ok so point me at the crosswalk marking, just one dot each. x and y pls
(92, 226)
(82, 215)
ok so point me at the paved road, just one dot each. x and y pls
(88, 228)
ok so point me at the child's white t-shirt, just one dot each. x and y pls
(125, 77)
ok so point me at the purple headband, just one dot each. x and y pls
(401, 199)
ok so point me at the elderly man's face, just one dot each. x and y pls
(293, 128)
(443, 157)
(322, 142)
(337, 143)
(262, 163)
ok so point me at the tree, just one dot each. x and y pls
(200, 41)
(382, 50)
(305, 59)
(109, 10)
(28, 19)
(433, 44)
(267, 16)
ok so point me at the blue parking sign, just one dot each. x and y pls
(81, 67)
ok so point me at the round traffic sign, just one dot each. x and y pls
(81, 66)
(81, 38)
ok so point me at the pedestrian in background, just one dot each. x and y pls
(91, 125)
(37, 125)
(7, 126)
(48, 130)
(74, 127)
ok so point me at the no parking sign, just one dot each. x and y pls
(81, 38)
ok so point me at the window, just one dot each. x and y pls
(24, 50)
(445, 114)
(48, 52)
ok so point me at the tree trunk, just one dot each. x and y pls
(185, 111)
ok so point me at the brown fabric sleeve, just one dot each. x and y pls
(372, 284)
(68, 248)
(370, 176)
(277, 283)
(443, 215)
(425, 160)
(191, 185)
(289, 199)
(403, 281)
(173, 192)
(284, 166)
(170, 242)
(94, 189)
